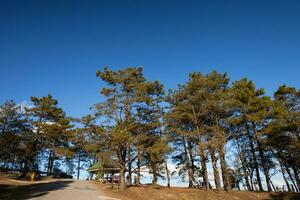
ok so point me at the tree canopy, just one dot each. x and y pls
(233, 128)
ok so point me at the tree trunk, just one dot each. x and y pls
(246, 173)
(122, 178)
(284, 177)
(129, 166)
(274, 189)
(78, 167)
(222, 141)
(91, 176)
(262, 158)
(296, 175)
(203, 157)
(251, 181)
(226, 184)
(122, 164)
(254, 157)
(49, 163)
(190, 152)
(203, 167)
(291, 177)
(31, 159)
(167, 173)
(154, 172)
(215, 168)
(247, 183)
(138, 167)
(187, 163)
(246, 177)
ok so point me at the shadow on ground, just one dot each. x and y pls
(284, 196)
(18, 192)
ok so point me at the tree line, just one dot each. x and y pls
(235, 129)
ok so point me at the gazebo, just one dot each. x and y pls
(106, 172)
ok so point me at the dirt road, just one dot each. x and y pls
(67, 190)
(50, 190)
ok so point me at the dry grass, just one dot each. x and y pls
(175, 193)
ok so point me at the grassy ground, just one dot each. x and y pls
(162, 193)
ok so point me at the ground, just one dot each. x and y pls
(163, 193)
(50, 190)
(90, 190)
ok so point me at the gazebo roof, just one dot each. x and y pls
(108, 167)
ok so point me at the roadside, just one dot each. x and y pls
(175, 193)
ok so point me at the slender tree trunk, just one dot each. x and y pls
(251, 181)
(91, 176)
(112, 180)
(138, 167)
(221, 135)
(154, 172)
(238, 187)
(32, 156)
(129, 166)
(262, 158)
(247, 183)
(243, 161)
(203, 167)
(254, 158)
(190, 151)
(93, 162)
(246, 177)
(296, 175)
(284, 177)
(202, 154)
(291, 177)
(167, 173)
(226, 184)
(49, 163)
(78, 167)
(215, 168)
(274, 189)
(187, 163)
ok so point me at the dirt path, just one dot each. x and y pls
(55, 189)
(76, 190)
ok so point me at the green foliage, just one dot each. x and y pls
(138, 127)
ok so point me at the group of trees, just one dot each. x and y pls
(207, 114)
(39, 135)
(235, 129)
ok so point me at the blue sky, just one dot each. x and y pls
(57, 46)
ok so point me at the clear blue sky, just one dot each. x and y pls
(57, 46)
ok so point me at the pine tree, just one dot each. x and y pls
(252, 110)
(283, 132)
(14, 127)
(127, 89)
(51, 129)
